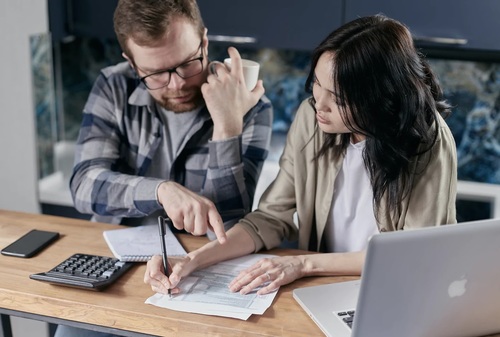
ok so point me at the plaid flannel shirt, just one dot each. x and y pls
(120, 133)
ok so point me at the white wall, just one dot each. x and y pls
(18, 164)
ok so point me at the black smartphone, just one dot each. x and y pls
(30, 243)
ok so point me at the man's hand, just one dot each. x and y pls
(228, 98)
(190, 211)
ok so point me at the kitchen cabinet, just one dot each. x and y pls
(295, 24)
(258, 23)
(452, 24)
(84, 18)
(273, 24)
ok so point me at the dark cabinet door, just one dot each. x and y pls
(463, 24)
(87, 18)
(289, 24)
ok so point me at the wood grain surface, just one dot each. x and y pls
(121, 306)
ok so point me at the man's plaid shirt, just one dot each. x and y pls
(121, 132)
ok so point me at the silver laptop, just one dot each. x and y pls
(440, 281)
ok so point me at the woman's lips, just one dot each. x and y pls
(321, 119)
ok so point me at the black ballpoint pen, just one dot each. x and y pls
(161, 227)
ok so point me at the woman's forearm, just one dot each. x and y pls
(334, 264)
(238, 243)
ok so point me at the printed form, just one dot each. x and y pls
(206, 292)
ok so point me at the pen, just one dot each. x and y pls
(161, 224)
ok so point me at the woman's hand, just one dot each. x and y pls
(270, 274)
(239, 243)
(159, 282)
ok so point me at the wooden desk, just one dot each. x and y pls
(120, 308)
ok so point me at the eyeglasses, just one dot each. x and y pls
(160, 79)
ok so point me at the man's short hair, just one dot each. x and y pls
(147, 21)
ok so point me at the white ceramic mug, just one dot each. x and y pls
(250, 71)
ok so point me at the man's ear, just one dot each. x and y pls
(126, 58)
(130, 62)
(205, 41)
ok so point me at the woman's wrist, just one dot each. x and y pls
(306, 262)
(204, 256)
(194, 260)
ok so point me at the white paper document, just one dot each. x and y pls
(206, 292)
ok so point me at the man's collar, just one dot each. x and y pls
(140, 97)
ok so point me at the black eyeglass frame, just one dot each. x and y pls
(174, 70)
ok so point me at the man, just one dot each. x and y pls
(162, 134)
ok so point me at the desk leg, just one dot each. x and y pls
(6, 327)
(52, 329)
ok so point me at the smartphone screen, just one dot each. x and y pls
(30, 243)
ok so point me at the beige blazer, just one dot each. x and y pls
(305, 186)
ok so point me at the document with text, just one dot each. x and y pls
(206, 292)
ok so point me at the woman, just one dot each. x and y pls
(369, 152)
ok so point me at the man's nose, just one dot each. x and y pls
(176, 81)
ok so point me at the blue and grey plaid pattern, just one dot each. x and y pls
(120, 133)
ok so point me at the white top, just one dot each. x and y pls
(351, 221)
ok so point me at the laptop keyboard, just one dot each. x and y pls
(347, 317)
(86, 271)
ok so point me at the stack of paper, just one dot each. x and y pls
(139, 244)
(206, 292)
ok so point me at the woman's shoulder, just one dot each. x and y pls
(304, 133)
(443, 130)
(305, 118)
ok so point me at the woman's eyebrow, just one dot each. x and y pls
(316, 78)
(330, 91)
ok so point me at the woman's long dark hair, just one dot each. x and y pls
(387, 92)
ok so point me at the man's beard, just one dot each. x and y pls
(167, 103)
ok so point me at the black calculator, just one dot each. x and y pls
(93, 272)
